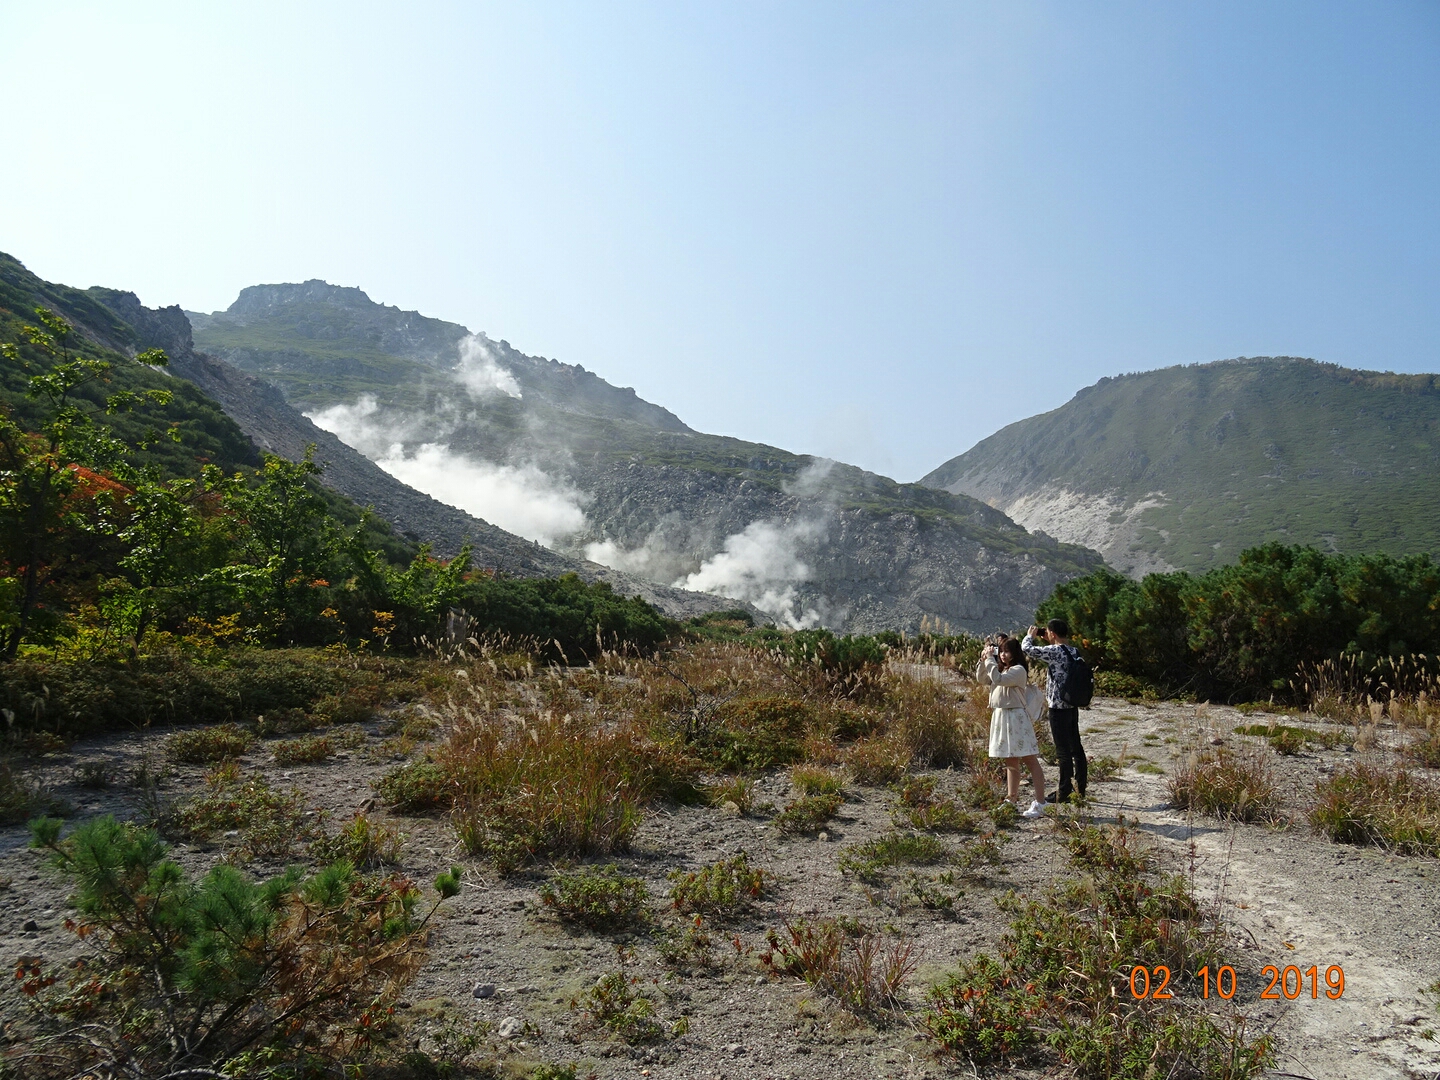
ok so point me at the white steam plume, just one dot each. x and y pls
(522, 499)
(480, 373)
(762, 565)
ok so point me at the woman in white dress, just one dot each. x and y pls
(1012, 730)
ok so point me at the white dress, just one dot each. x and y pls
(1012, 732)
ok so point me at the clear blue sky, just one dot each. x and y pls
(874, 231)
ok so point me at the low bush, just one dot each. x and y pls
(597, 898)
(869, 860)
(862, 970)
(363, 843)
(1289, 739)
(1225, 784)
(919, 806)
(310, 750)
(687, 944)
(237, 685)
(613, 1004)
(807, 813)
(1117, 684)
(1393, 809)
(265, 823)
(205, 746)
(739, 790)
(810, 780)
(188, 977)
(722, 889)
(1060, 984)
(1103, 768)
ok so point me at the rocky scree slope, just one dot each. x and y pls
(806, 540)
(1185, 467)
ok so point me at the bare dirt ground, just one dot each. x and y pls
(1291, 898)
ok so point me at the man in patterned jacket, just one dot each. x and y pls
(1064, 718)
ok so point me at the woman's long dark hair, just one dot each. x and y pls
(1010, 648)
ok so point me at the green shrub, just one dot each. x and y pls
(1061, 978)
(807, 813)
(722, 889)
(1393, 809)
(869, 860)
(191, 974)
(205, 746)
(1288, 739)
(613, 1004)
(597, 898)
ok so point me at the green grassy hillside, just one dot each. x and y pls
(1235, 453)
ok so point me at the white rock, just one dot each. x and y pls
(510, 1027)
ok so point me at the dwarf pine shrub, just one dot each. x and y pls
(186, 975)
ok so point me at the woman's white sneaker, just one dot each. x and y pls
(1037, 810)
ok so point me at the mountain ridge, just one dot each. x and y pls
(628, 483)
(1184, 467)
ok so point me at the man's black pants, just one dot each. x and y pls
(1065, 730)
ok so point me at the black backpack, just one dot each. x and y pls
(1079, 685)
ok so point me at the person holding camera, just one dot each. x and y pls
(1060, 656)
(1012, 733)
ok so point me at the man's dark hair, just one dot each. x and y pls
(1058, 627)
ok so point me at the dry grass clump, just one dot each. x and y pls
(860, 968)
(364, 843)
(876, 762)
(739, 791)
(555, 785)
(927, 719)
(1225, 784)
(21, 799)
(1393, 809)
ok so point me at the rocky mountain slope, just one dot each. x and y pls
(555, 453)
(1187, 466)
(240, 414)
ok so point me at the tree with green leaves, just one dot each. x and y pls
(41, 471)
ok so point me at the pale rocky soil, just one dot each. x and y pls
(1290, 896)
